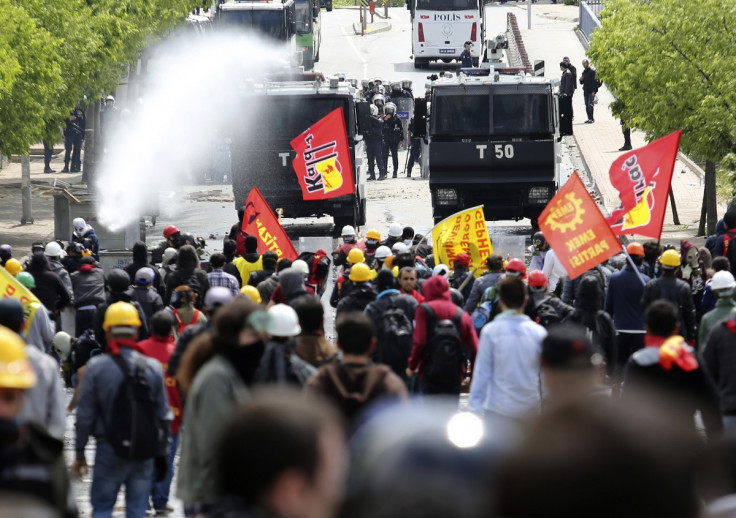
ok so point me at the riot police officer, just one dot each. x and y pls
(415, 151)
(73, 138)
(379, 101)
(393, 136)
(374, 147)
(406, 87)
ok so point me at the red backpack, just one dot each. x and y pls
(180, 322)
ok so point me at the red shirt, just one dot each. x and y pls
(161, 349)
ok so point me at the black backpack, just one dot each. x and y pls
(395, 340)
(443, 358)
(135, 431)
(279, 365)
(545, 314)
(193, 282)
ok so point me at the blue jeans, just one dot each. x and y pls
(160, 490)
(588, 98)
(111, 472)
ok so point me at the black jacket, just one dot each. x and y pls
(588, 80)
(361, 294)
(678, 292)
(180, 277)
(406, 303)
(393, 132)
(567, 83)
(719, 353)
(50, 290)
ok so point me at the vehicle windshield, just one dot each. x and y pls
(303, 16)
(447, 5)
(270, 23)
(521, 114)
(285, 117)
(459, 113)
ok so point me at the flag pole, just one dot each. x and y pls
(633, 265)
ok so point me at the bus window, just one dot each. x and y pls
(521, 114)
(461, 114)
(447, 5)
(303, 16)
(270, 23)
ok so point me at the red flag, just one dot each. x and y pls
(643, 177)
(322, 161)
(576, 230)
(260, 221)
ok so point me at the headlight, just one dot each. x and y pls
(539, 195)
(446, 197)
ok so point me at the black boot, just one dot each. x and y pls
(66, 167)
(48, 170)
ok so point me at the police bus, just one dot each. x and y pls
(440, 29)
(492, 141)
(295, 22)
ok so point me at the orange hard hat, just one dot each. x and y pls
(635, 249)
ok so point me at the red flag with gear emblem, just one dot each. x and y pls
(322, 163)
(576, 230)
(643, 177)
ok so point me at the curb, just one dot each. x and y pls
(356, 29)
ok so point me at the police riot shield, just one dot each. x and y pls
(404, 110)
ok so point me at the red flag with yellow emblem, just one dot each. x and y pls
(643, 177)
(576, 230)
(322, 161)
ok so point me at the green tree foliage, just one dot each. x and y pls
(672, 65)
(53, 52)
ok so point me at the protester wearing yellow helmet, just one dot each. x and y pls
(13, 266)
(33, 461)
(124, 456)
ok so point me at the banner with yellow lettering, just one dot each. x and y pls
(463, 232)
(576, 230)
(260, 221)
(11, 287)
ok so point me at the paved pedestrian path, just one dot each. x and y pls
(553, 36)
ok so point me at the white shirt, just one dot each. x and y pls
(506, 373)
(553, 269)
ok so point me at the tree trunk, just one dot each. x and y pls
(91, 137)
(703, 214)
(675, 217)
(710, 196)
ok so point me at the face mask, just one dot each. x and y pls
(407, 242)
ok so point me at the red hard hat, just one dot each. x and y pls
(635, 249)
(537, 278)
(462, 259)
(517, 265)
(170, 231)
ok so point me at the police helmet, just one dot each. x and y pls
(390, 108)
(374, 110)
(109, 98)
(379, 100)
(406, 84)
(396, 86)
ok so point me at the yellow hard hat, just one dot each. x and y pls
(360, 272)
(16, 371)
(373, 234)
(121, 314)
(252, 293)
(355, 256)
(13, 266)
(670, 258)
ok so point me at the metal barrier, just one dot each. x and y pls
(590, 17)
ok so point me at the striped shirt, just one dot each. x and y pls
(219, 278)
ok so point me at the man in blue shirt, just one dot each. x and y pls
(466, 60)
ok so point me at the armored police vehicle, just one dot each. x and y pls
(273, 114)
(491, 141)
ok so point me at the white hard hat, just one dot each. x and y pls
(400, 247)
(722, 280)
(168, 255)
(110, 98)
(395, 229)
(283, 321)
(348, 230)
(53, 249)
(62, 345)
(301, 266)
(441, 269)
(382, 252)
(79, 224)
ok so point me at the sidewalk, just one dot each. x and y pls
(552, 37)
(20, 237)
